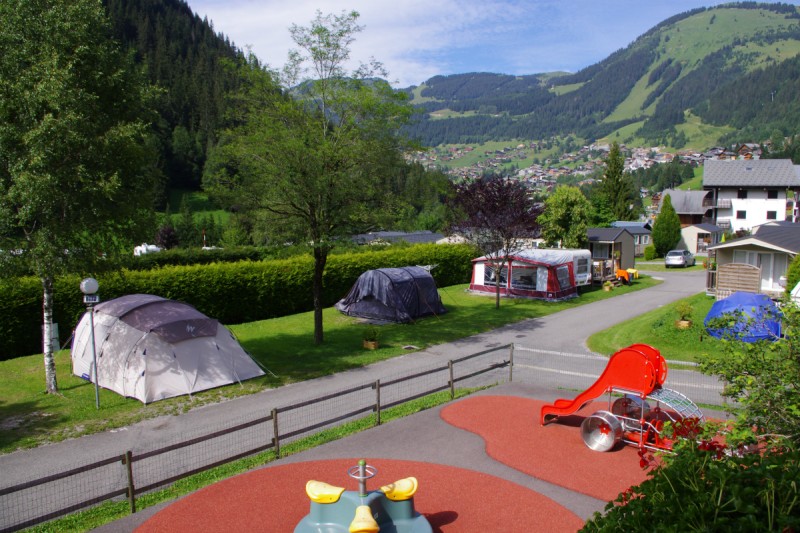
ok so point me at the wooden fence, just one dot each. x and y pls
(423, 383)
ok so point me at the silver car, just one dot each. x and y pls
(679, 258)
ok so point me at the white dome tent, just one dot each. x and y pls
(151, 348)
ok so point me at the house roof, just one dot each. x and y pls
(606, 234)
(750, 173)
(632, 225)
(779, 237)
(686, 202)
(638, 230)
(709, 228)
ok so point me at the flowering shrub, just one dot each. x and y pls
(705, 487)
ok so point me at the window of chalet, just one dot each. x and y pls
(741, 215)
(772, 215)
(742, 194)
(772, 194)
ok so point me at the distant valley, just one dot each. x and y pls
(706, 77)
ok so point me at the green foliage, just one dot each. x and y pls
(302, 157)
(684, 310)
(182, 53)
(565, 218)
(665, 176)
(371, 334)
(618, 188)
(233, 293)
(76, 185)
(700, 489)
(793, 274)
(764, 378)
(188, 234)
(666, 229)
(650, 252)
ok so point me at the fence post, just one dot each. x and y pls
(377, 387)
(275, 439)
(511, 362)
(452, 381)
(127, 460)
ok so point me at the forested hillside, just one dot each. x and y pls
(185, 57)
(733, 67)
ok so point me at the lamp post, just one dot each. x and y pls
(89, 288)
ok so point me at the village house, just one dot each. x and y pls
(747, 193)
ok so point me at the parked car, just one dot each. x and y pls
(679, 258)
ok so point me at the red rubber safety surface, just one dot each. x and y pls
(556, 453)
(453, 500)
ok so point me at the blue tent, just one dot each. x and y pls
(747, 317)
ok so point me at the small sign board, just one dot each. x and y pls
(91, 298)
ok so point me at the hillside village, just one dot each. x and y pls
(575, 167)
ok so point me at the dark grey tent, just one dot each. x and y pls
(393, 295)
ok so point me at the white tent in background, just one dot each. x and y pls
(151, 348)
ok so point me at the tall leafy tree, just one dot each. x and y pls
(566, 218)
(74, 186)
(498, 216)
(618, 187)
(666, 228)
(312, 161)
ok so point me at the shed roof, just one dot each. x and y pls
(606, 234)
(750, 173)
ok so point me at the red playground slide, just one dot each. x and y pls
(637, 369)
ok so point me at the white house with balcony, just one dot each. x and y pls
(745, 193)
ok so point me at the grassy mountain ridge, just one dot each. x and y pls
(671, 83)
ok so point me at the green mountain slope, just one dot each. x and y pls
(698, 77)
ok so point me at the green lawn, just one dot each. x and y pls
(29, 417)
(657, 328)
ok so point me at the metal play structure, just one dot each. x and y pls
(638, 404)
(388, 510)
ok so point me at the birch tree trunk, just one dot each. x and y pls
(47, 335)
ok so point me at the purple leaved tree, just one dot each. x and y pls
(498, 216)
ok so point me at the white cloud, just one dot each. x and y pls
(417, 39)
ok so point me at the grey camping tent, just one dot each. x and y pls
(393, 295)
(151, 348)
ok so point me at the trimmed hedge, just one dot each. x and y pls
(232, 293)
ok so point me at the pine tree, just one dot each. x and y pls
(618, 187)
(666, 229)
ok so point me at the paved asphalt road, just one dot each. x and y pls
(565, 331)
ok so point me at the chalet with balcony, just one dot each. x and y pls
(750, 192)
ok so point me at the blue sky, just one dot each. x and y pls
(418, 39)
